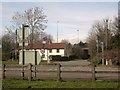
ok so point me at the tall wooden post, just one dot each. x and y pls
(22, 73)
(3, 71)
(23, 53)
(23, 47)
(23, 44)
(16, 45)
(29, 72)
(93, 72)
(35, 64)
(102, 44)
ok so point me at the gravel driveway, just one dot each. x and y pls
(74, 62)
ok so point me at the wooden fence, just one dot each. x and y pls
(30, 69)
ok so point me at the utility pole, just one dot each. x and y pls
(78, 36)
(106, 33)
(106, 38)
(23, 42)
(102, 44)
(16, 36)
(57, 31)
(16, 45)
(97, 41)
(23, 46)
(97, 47)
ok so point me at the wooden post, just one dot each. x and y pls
(35, 64)
(29, 72)
(3, 71)
(58, 72)
(35, 72)
(93, 72)
(22, 73)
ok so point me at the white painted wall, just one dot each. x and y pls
(54, 52)
(29, 57)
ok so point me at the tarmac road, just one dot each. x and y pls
(74, 62)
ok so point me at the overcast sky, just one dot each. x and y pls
(72, 16)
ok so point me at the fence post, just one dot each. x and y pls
(93, 72)
(58, 72)
(3, 71)
(29, 72)
(35, 72)
(22, 73)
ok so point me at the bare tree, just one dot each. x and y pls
(68, 47)
(92, 43)
(35, 18)
(115, 26)
(116, 40)
(100, 32)
(8, 45)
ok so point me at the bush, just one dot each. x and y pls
(98, 62)
(5, 56)
(65, 58)
(72, 57)
(85, 56)
(115, 61)
(59, 58)
(56, 58)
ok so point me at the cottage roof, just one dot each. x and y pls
(48, 46)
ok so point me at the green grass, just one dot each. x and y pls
(17, 83)
(10, 62)
(45, 62)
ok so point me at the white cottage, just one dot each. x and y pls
(34, 53)
(54, 49)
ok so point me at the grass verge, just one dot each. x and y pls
(15, 62)
(10, 62)
(17, 83)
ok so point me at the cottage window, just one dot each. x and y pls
(50, 50)
(58, 51)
